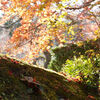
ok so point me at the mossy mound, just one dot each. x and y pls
(52, 86)
(11, 88)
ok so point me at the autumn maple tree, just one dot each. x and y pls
(45, 23)
(36, 26)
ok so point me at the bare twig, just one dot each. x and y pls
(86, 4)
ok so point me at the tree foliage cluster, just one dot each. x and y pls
(45, 24)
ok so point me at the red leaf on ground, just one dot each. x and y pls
(34, 79)
(90, 97)
(10, 73)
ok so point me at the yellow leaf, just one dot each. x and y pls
(31, 56)
(64, 1)
(72, 32)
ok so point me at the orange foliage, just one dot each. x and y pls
(37, 34)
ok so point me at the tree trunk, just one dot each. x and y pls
(47, 57)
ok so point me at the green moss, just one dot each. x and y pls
(11, 88)
(54, 85)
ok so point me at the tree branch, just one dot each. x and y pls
(11, 24)
(80, 7)
(32, 37)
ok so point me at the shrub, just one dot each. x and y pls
(80, 67)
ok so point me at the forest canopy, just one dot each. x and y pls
(37, 26)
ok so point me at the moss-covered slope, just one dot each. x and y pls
(51, 85)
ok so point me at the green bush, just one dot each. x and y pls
(82, 67)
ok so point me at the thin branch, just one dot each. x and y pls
(11, 24)
(33, 33)
(97, 22)
(80, 7)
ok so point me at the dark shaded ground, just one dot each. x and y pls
(20, 81)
